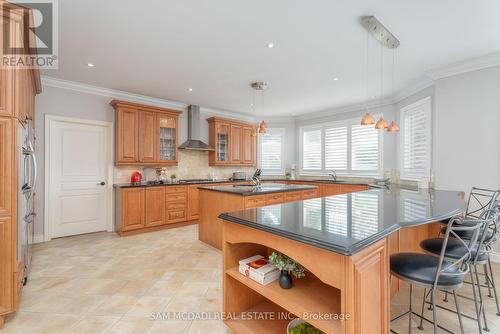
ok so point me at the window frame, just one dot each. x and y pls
(275, 172)
(349, 172)
(408, 176)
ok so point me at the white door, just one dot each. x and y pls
(78, 188)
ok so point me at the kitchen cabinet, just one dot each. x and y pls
(145, 135)
(193, 204)
(177, 205)
(155, 206)
(234, 142)
(132, 209)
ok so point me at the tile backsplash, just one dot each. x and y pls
(192, 165)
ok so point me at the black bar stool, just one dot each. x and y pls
(455, 249)
(436, 273)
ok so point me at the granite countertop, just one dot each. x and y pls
(348, 223)
(265, 188)
(178, 183)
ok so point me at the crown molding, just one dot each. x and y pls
(420, 85)
(464, 66)
(345, 109)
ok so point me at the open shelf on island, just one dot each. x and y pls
(259, 326)
(308, 296)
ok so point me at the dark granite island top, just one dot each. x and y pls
(265, 188)
(348, 223)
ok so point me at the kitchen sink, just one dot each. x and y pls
(331, 181)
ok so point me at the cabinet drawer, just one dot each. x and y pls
(176, 206)
(177, 197)
(176, 215)
(255, 201)
(176, 189)
(275, 199)
(307, 194)
(293, 196)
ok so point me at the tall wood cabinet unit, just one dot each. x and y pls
(145, 135)
(18, 88)
(234, 142)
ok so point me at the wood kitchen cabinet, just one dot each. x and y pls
(145, 135)
(155, 206)
(193, 202)
(234, 142)
(132, 208)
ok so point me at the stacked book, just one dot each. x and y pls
(259, 269)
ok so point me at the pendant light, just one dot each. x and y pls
(367, 118)
(381, 123)
(393, 127)
(260, 86)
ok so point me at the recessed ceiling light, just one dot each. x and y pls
(190, 89)
(270, 45)
(373, 96)
(90, 65)
(251, 104)
(335, 79)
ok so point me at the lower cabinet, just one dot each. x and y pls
(155, 206)
(132, 209)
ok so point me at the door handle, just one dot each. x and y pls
(101, 183)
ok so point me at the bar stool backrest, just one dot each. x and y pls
(460, 267)
(479, 201)
(487, 244)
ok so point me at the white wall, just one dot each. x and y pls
(467, 135)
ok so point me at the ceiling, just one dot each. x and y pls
(160, 48)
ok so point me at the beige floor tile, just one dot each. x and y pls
(145, 306)
(115, 305)
(203, 327)
(131, 325)
(93, 324)
(135, 287)
(169, 327)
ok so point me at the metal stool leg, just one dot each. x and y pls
(434, 316)
(458, 312)
(424, 298)
(481, 301)
(486, 276)
(492, 277)
(410, 311)
(478, 314)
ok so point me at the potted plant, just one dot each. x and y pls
(173, 177)
(288, 267)
(288, 175)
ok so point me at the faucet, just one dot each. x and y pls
(333, 174)
(256, 181)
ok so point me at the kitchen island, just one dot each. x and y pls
(344, 242)
(214, 200)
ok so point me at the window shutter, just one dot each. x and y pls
(415, 144)
(312, 213)
(311, 148)
(271, 151)
(336, 148)
(365, 149)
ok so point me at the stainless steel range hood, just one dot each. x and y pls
(193, 142)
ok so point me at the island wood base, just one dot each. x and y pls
(356, 286)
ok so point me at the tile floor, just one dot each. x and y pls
(101, 283)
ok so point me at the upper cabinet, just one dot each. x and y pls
(145, 135)
(234, 142)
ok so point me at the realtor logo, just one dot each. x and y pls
(40, 47)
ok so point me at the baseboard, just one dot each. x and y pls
(38, 238)
(495, 257)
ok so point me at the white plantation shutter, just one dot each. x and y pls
(336, 214)
(271, 151)
(416, 140)
(312, 213)
(312, 150)
(365, 149)
(336, 148)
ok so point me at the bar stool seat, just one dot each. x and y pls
(422, 269)
(467, 235)
(454, 249)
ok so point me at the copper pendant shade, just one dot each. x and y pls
(381, 124)
(367, 119)
(393, 127)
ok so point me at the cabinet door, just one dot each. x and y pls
(6, 77)
(236, 136)
(133, 209)
(6, 170)
(147, 137)
(248, 146)
(167, 139)
(222, 131)
(127, 133)
(6, 265)
(193, 202)
(155, 206)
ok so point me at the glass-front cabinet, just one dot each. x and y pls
(167, 138)
(222, 140)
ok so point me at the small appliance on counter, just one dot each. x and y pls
(136, 177)
(239, 176)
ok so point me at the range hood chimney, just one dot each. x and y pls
(193, 142)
